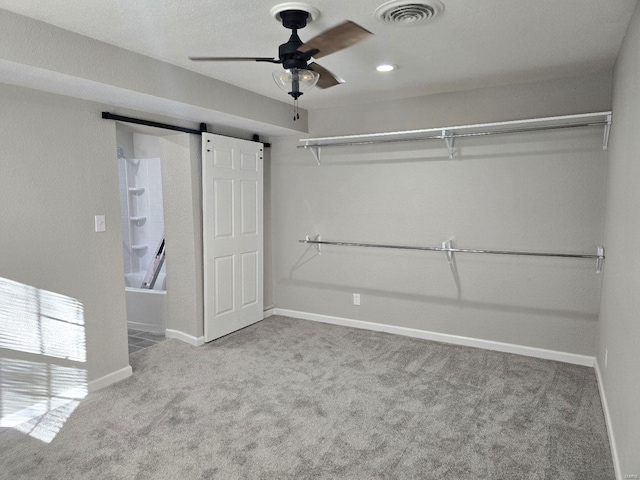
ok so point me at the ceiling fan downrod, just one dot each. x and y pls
(292, 59)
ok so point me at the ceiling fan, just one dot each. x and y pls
(299, 75)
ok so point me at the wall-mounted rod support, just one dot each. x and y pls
(448, 139)
(600, 259)
(446, 248)
(316, 153)
(317, 241)
(599, 255)
(607, 131)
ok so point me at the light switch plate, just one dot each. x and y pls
(101, 223)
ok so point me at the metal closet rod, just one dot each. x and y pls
(451, 135)
(599, 255)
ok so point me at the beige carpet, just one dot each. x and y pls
(292, 399)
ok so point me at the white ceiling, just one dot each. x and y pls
(472, 44)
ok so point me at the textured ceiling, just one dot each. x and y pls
(473, 43)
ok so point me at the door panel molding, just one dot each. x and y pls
(233, 218)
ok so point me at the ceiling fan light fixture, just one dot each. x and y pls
(386, 67)
(300, 76)
(296, 81)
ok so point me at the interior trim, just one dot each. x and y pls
(185, 337)
(573, 358)
(609, 423)
(109, 379)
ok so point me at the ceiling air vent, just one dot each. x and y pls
(407, 13)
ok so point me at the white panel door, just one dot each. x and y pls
(232, 182)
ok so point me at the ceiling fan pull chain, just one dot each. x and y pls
(296, 115)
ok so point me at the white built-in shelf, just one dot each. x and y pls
(138, 220)
(449, 134)
(139, 248)
(136, 190)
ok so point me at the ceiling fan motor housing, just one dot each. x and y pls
(288, 52)
(294, 55)
(294, 19)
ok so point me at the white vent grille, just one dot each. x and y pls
(408, 13)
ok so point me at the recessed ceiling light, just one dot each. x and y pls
(386, 67)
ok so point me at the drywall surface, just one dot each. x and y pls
(124, 139)
(146, 146)
(620, 309)
(268, 244)
(58, 169)
(182, 198)
(532, 192)
(36, 54)
(587, 93)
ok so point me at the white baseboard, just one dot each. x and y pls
(146, 327)
(185, 337)
(607, 418)
(573, 358)
(269, 312)
(109, 379)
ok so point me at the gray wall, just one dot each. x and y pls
(57, 170)
(182, 198)
(537, 192)
(619, 314)
(72, 64)
(587, 93)
(268, 244)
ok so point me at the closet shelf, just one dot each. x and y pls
(138, 220)
(449, 134)
(136, 190)
(139, 248)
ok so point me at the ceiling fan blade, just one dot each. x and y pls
(327, 79)
(235, 59)
(336, 38)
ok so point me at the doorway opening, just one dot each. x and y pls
(142, 223)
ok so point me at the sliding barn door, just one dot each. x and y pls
(232, 183)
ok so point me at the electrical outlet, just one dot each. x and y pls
(606, 357)
(356, 299)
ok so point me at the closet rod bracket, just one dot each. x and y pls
(607, 130)
(315, 150)
(448, 139)
(446, 248)
(600, 259)
(317, 241)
